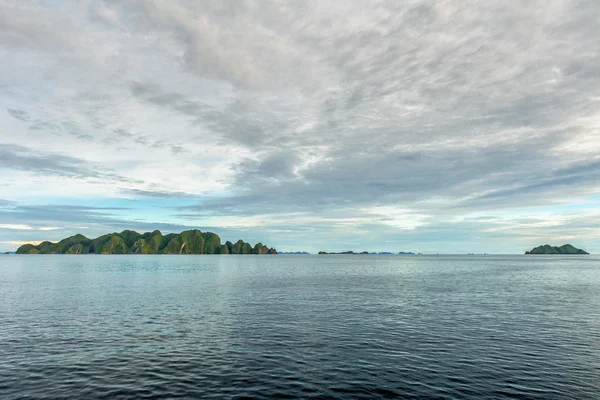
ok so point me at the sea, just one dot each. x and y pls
(299, 326)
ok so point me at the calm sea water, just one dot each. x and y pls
(299, 326)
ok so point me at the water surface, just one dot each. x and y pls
(299, 326)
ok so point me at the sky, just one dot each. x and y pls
(426, 126)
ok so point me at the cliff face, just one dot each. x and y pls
(565, 249)
(131, 242)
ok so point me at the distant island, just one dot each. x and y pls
(131, 242)
(293, 252)
(389, 253)
(366, 252)
(565, 249)
(344, 252)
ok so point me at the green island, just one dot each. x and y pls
(565, 249)
(131, 242)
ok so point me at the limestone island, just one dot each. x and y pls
(131, 242)
(565, 249)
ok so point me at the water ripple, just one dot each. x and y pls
(288, 327)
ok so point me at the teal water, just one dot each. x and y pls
(300, 326)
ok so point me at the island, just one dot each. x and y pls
(344, 252)
(381, 253)
(131, 242)
(565, 249)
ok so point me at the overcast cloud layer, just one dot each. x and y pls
(432, 126)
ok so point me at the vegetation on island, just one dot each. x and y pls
(131, 242)
(565, 249)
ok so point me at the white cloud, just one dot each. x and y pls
(16, 227)
(22, 227)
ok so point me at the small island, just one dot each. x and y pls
(344, 252)
(565, 249)
(131, 242)
(381, 253)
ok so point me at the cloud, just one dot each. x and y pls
(307, 116)
(20, 227)
(6, 204)
(223, 44)
(156, 193)
(19, 114)
(23, 158)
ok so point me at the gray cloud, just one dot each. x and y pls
(25, 159)
(574, 180)
(19, 114)
(463, 95)
(6, 204)
(63, 219)
(156, 193)
(443, 109)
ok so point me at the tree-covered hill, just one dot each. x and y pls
(565, 249)
(131, 242)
